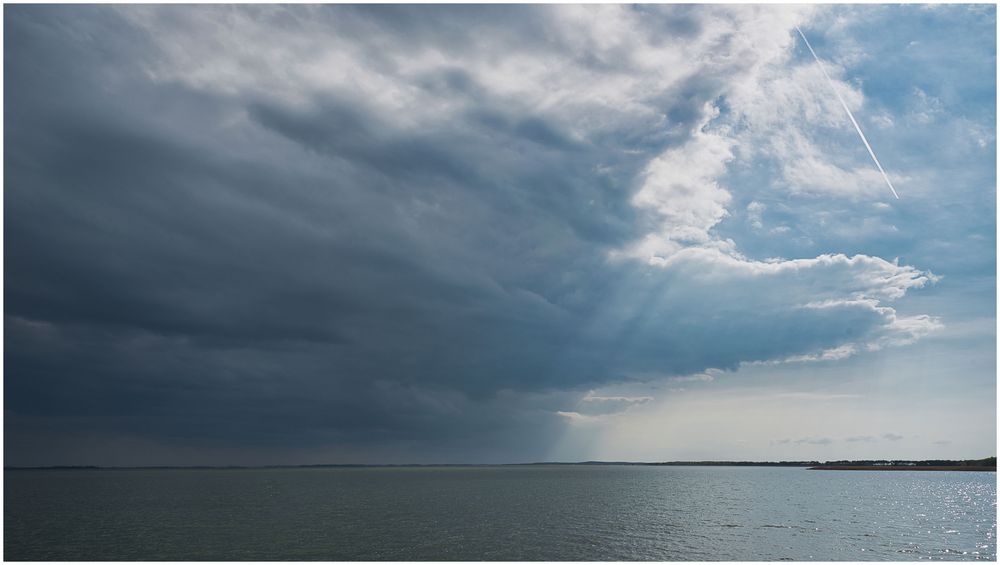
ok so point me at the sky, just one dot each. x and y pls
(444, 234)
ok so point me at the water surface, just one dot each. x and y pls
(499, 513)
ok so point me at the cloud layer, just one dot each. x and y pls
(317, 226)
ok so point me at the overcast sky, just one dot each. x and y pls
(383, 234)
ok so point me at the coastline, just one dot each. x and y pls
(903, 468)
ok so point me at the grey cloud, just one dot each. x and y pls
(892, 437)
(814, 441)
(605, 405)
(225, 266)
(803, 441)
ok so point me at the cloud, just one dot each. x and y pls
(346, 225)
(591, 406)
(892, 436)
(814, 441)
(807, 396)
(707, 376)
(803, 441)
(754, 212)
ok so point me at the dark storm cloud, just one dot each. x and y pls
(163, 288)
(234, 267)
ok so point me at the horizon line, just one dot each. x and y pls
(707, 462)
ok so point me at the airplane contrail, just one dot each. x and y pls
(849, 114)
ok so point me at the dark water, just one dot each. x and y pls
(499, 513)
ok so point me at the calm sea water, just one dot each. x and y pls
(499, 513)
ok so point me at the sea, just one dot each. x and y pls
(510, 513)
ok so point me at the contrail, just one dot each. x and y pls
(849, 114)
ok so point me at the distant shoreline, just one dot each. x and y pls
(902, 468)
